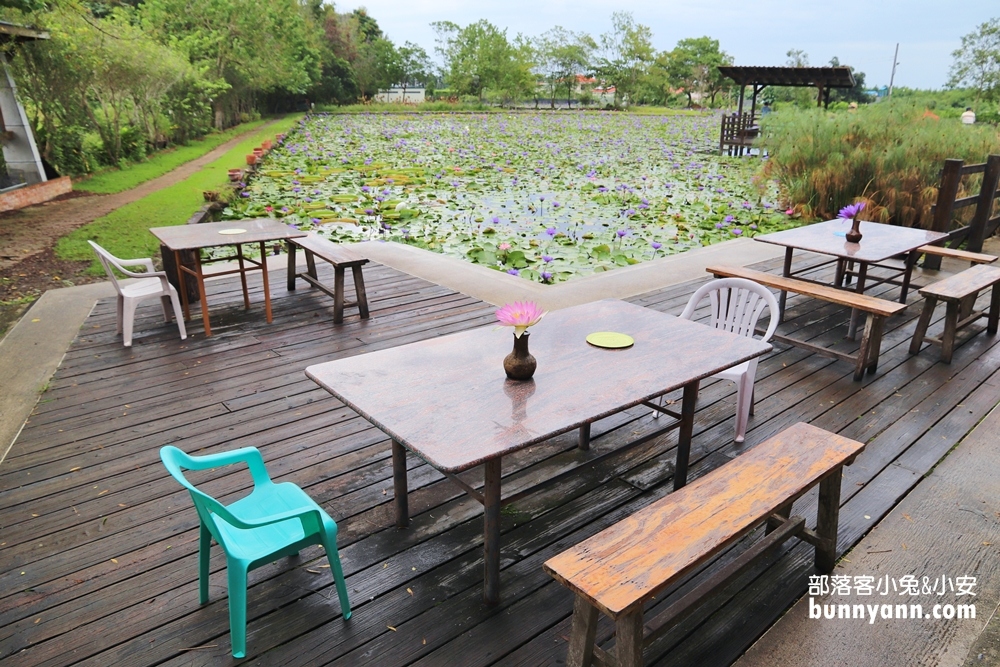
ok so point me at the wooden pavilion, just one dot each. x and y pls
(739, 129)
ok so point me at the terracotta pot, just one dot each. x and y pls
(234, 174)
(251, 159)
(519, 364)
(259, 152)
(266, 144)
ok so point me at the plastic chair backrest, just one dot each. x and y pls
(176, 461)
(107, 261)
(737, 304)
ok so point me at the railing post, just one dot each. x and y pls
(977, 228)
(951, 177)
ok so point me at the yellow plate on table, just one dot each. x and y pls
(228, 232)
(610, 340)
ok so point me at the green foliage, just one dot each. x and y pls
(119, 180)
(626, 51)
(889, 153)
(479, 60)
(125, 231)
(693, 66)
(560, 55)
(977, 61)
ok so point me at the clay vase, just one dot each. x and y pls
(854, 236)
(519, 364)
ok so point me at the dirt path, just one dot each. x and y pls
(28, 265)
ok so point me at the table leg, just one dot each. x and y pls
(852, 329)
(182, 288)
(201, 292)
(786, 271)
(291, 266)
(911, 261)
(338, 295)
(684, 432)
(267, 287)
(399, 490)
(491, 532)
(827, 518)
(584, 440)
(359, 290)
(243, 276)
(994, 316)
(838, 278)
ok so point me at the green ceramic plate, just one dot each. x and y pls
(233, 231)
(610, 340)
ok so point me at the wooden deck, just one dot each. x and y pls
(98, 543)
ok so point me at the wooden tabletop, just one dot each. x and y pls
(206, 235)
(448, 399)
(878, 242)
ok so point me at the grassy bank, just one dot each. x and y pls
(125, 232)
(119, 180)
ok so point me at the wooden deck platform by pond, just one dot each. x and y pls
(98, 543)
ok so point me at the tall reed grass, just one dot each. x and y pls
(889, 154)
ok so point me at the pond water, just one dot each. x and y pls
(546, 196)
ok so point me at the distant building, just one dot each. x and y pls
(413, 95)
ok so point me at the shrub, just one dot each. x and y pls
(890, 154)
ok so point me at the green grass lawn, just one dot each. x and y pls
(125, 231)
(118, 180)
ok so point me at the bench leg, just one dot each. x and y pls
(950, 329)
(991, 323)
(359, 290)
(291, 266)
(581, 638)
(925, 319)
(875, 344)
(628, 638)
(852, 329)
(311, 265)
(338, 295)
(864, 349)
(784, 512)
(827, 518)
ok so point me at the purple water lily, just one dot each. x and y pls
(513, 272)
(656, 245)
(547, 258)
(850, 212)
(551, 231)
(546, 276)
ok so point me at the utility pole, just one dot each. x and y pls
(892, 77)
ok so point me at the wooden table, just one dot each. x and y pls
(448, 401)
(879, 243)
(210, 235)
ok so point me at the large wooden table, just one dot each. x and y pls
(209, 235)
(448, 401)
(879, 243)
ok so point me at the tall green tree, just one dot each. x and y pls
(977, 62)
(480, 60)
(626, 51)
(560, 56)
(377, 66)
(414, 65)
(694, 66)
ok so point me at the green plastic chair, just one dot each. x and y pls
(274, 521)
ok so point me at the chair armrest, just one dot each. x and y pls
(249, 455)
(300, 514)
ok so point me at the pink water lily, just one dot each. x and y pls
(520, 315)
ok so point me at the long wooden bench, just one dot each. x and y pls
(618, 570)
(876, 309)
(959, 292)
(341, 258)
(964, 255)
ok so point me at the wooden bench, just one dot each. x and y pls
(619, 569)
(341, 258)
(964, 255)
(876, 309)
(959, 292)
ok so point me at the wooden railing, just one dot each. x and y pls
(737, 133)
(982, 224)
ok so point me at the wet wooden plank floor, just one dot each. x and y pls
(98, 544)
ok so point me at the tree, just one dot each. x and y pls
(857, 94)
(479, 59)
(562, 55)
(694, 66)
(977, 61)
(414, 65)
(377, 66)
(626, 51)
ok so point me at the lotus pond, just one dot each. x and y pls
(545, 196)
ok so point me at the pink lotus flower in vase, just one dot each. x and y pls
(520, 364)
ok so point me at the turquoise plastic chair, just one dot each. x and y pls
(275, 520)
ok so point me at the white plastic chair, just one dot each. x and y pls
(149, 284)
(737, 304)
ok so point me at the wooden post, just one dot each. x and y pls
(491, 531)
(628, 636)
(742, 89)
(977, 228)
(581, 637)
(951, 177)
(399, 490)
(828, 516)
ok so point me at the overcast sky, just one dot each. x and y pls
(757, 32)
